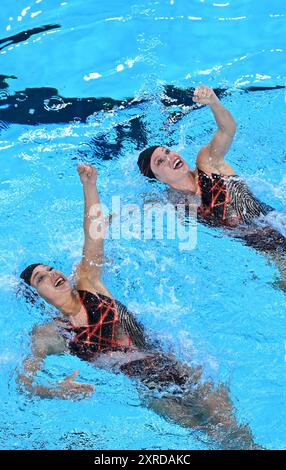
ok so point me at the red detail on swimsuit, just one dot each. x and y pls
(215, 196)
(99, 335)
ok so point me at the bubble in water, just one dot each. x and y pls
(55, 103)
(76, 120)
(4, 95)
(21, 97)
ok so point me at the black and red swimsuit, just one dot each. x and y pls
(105, 317)
(227, 200)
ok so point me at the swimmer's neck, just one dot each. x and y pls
(72, 305)
(188, 183)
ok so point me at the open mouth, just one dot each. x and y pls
(59, 282)
(178, 163)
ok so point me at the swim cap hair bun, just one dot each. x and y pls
(144, 161)
(27, 273)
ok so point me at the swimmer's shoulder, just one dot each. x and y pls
(209, 165)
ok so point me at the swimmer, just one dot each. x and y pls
(219, 196)
(94, 326)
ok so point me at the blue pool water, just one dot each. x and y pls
(219, 304)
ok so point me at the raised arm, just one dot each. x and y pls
(88, 272)
(211, 157)
(46, 341)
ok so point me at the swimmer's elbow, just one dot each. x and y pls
(230, 129)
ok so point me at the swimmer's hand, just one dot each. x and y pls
(70, 389)
(205, 95)
(67, 389)
(88, 174)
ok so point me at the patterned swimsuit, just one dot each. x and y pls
(227, 200)
(106, 318)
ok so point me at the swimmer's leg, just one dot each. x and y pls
(270, 243)
(206, 409)
(280, 262)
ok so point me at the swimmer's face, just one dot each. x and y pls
(51, 284)
(168, 166)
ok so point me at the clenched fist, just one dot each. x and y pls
(205, 95)
(87, 174)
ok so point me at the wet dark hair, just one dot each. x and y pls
(144, 162)
(27, 273)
